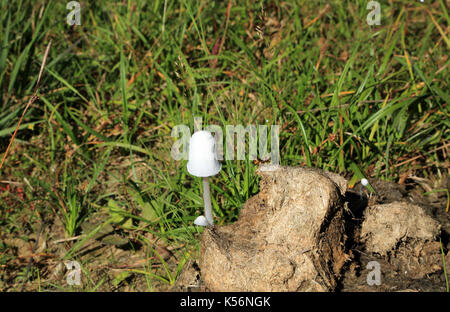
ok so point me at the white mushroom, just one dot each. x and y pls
(203, 163)
(201, 221)
(364, 182)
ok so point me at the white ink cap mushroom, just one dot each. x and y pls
(203, 155)
(201, 221)
(203, 163)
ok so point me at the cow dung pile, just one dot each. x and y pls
(291, 236)
(405, 235)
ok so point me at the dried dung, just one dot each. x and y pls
(289, 237)
(385, 226)
(406, 235)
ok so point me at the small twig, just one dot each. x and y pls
(31, 101)
(138, 264)
(226, 26)
(361, 252)
(218, 46)
(68, 239)
(305, 250)
(321, 13)
(11, 182)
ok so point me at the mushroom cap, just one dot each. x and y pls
(203, 160)
(201, 221)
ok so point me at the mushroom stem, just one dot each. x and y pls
(207, 201)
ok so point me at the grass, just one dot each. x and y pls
(444, 266)
(350, 98)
